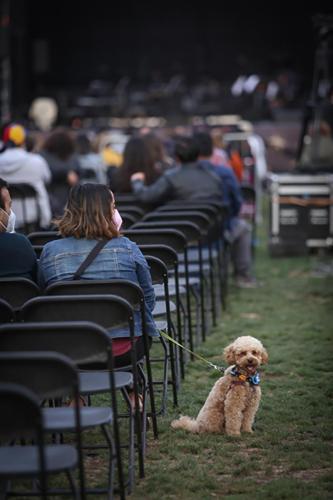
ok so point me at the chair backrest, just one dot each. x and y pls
(171, 237)
(129, 199)
(190, 230)
(158, 270)
(129, 290)
(128, 219)
(163, 252)
(49, 375)
(18, 290)
(7, 313)
(82, 341)
(206, 201)
(199, 218)
(138, 212)
(109, 311)
(203, 221)
(205, 208)
(42, 237)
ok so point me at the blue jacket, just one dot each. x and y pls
(231, 192)
(120, 258)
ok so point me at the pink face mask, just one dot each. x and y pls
(117, 219)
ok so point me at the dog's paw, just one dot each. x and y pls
(233, 434)
(174, 424)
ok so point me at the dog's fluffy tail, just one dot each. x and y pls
(187, 423)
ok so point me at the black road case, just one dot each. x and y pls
(301, 213)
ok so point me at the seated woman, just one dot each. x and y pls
(90, 216)
(17, 257)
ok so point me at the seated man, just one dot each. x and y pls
(237, 230)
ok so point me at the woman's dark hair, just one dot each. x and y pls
(59, 143)
(137, 158)
(88, 213)
(186, 151)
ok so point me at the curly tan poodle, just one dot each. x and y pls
(234, 400)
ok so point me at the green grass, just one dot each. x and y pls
(290, 454)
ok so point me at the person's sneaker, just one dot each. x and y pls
(247, 282)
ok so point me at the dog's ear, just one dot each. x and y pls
(264, 356)
(229, 354)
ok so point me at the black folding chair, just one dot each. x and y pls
(218, 212)
(159, 274)
(83, 343)
(193, 235)
(108, 311)
(170, 258)
(48, 375)
(178, 241)
(207, 224)
(131, 292)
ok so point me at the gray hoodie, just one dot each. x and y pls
(19, 166)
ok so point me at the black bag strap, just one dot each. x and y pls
(90, 257)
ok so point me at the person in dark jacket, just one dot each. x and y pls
(17, 257)
(237, 231)
(187, 181)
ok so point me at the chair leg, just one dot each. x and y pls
(131, 453)
(3, 489)
(73, 485)
(112, 457)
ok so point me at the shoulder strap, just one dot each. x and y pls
(90, 257)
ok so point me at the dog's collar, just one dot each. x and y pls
(243, 377)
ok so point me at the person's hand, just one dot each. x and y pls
(72, 178)
(138, 176)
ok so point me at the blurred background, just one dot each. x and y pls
(106, 63)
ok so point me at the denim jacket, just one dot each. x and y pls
(120, 258)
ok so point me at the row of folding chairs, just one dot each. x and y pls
(42, 330)
(167, 252)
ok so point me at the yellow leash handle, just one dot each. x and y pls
(219, 368)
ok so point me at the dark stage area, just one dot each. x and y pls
(173, 60)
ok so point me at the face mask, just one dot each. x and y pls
(11, 222)
(117, 219)
(11, 218)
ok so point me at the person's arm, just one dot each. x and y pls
(235, 194)
(158, 191)
(144, 278)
